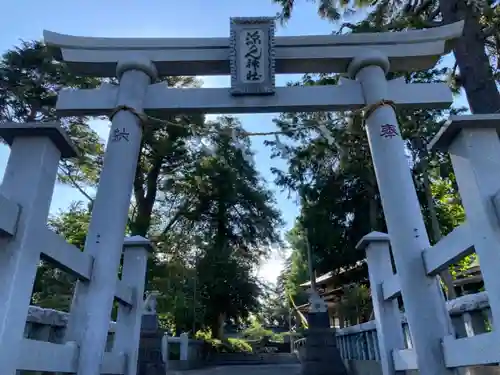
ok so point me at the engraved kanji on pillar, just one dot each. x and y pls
(252, 56)
(388, 131)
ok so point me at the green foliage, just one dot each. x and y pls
(204, 266)
(332, 10)
(239, 345)
(477, 51)
(30, 81)
(451, 214)
(295, 271)
(72, 224)
(53, 287)
(356, 304)
(230, 345)
(275, 309)
(204, 335)
(257, 332)
(228, 220)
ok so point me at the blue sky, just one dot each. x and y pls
(160, 18)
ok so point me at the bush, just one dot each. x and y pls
(203, 335)
(239, 346)
(256, 332)
(280, 337)
(231, 345)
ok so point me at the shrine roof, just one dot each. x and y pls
(322, 279)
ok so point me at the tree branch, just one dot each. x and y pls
(175, 218)
(76, 185)
(417, 10)
(346, 25)
(433, 15)
(152, 178)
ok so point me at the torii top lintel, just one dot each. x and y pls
(407, 51)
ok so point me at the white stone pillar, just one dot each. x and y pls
(387, 314)
(474, 147)
(184, 346)
(128, 323)
(423, 299)
(165, 350)
(29, 181)
(93, 301)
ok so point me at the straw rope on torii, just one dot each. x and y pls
(321, 127)
(366, 111)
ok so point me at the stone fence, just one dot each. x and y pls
(191, 353)
(49, 325)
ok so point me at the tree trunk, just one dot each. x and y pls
(217, 326)
(222, 318)
(475, 70)
(145, 196)
(373, 202)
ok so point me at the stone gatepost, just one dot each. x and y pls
(387, 314)
(474, 148)
(136, 250)
(29, 180)
(322, 356)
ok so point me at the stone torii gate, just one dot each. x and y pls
(252, 56)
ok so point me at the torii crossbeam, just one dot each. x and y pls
(406, 51)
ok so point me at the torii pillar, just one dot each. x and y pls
(423, 298)
(92, 303)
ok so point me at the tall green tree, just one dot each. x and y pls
(30, 79)
(275, 309)
(234, 216)
(296, 270)
(164, 154)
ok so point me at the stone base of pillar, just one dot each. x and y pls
(150, 351)
(321, 356)
(149, 323)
